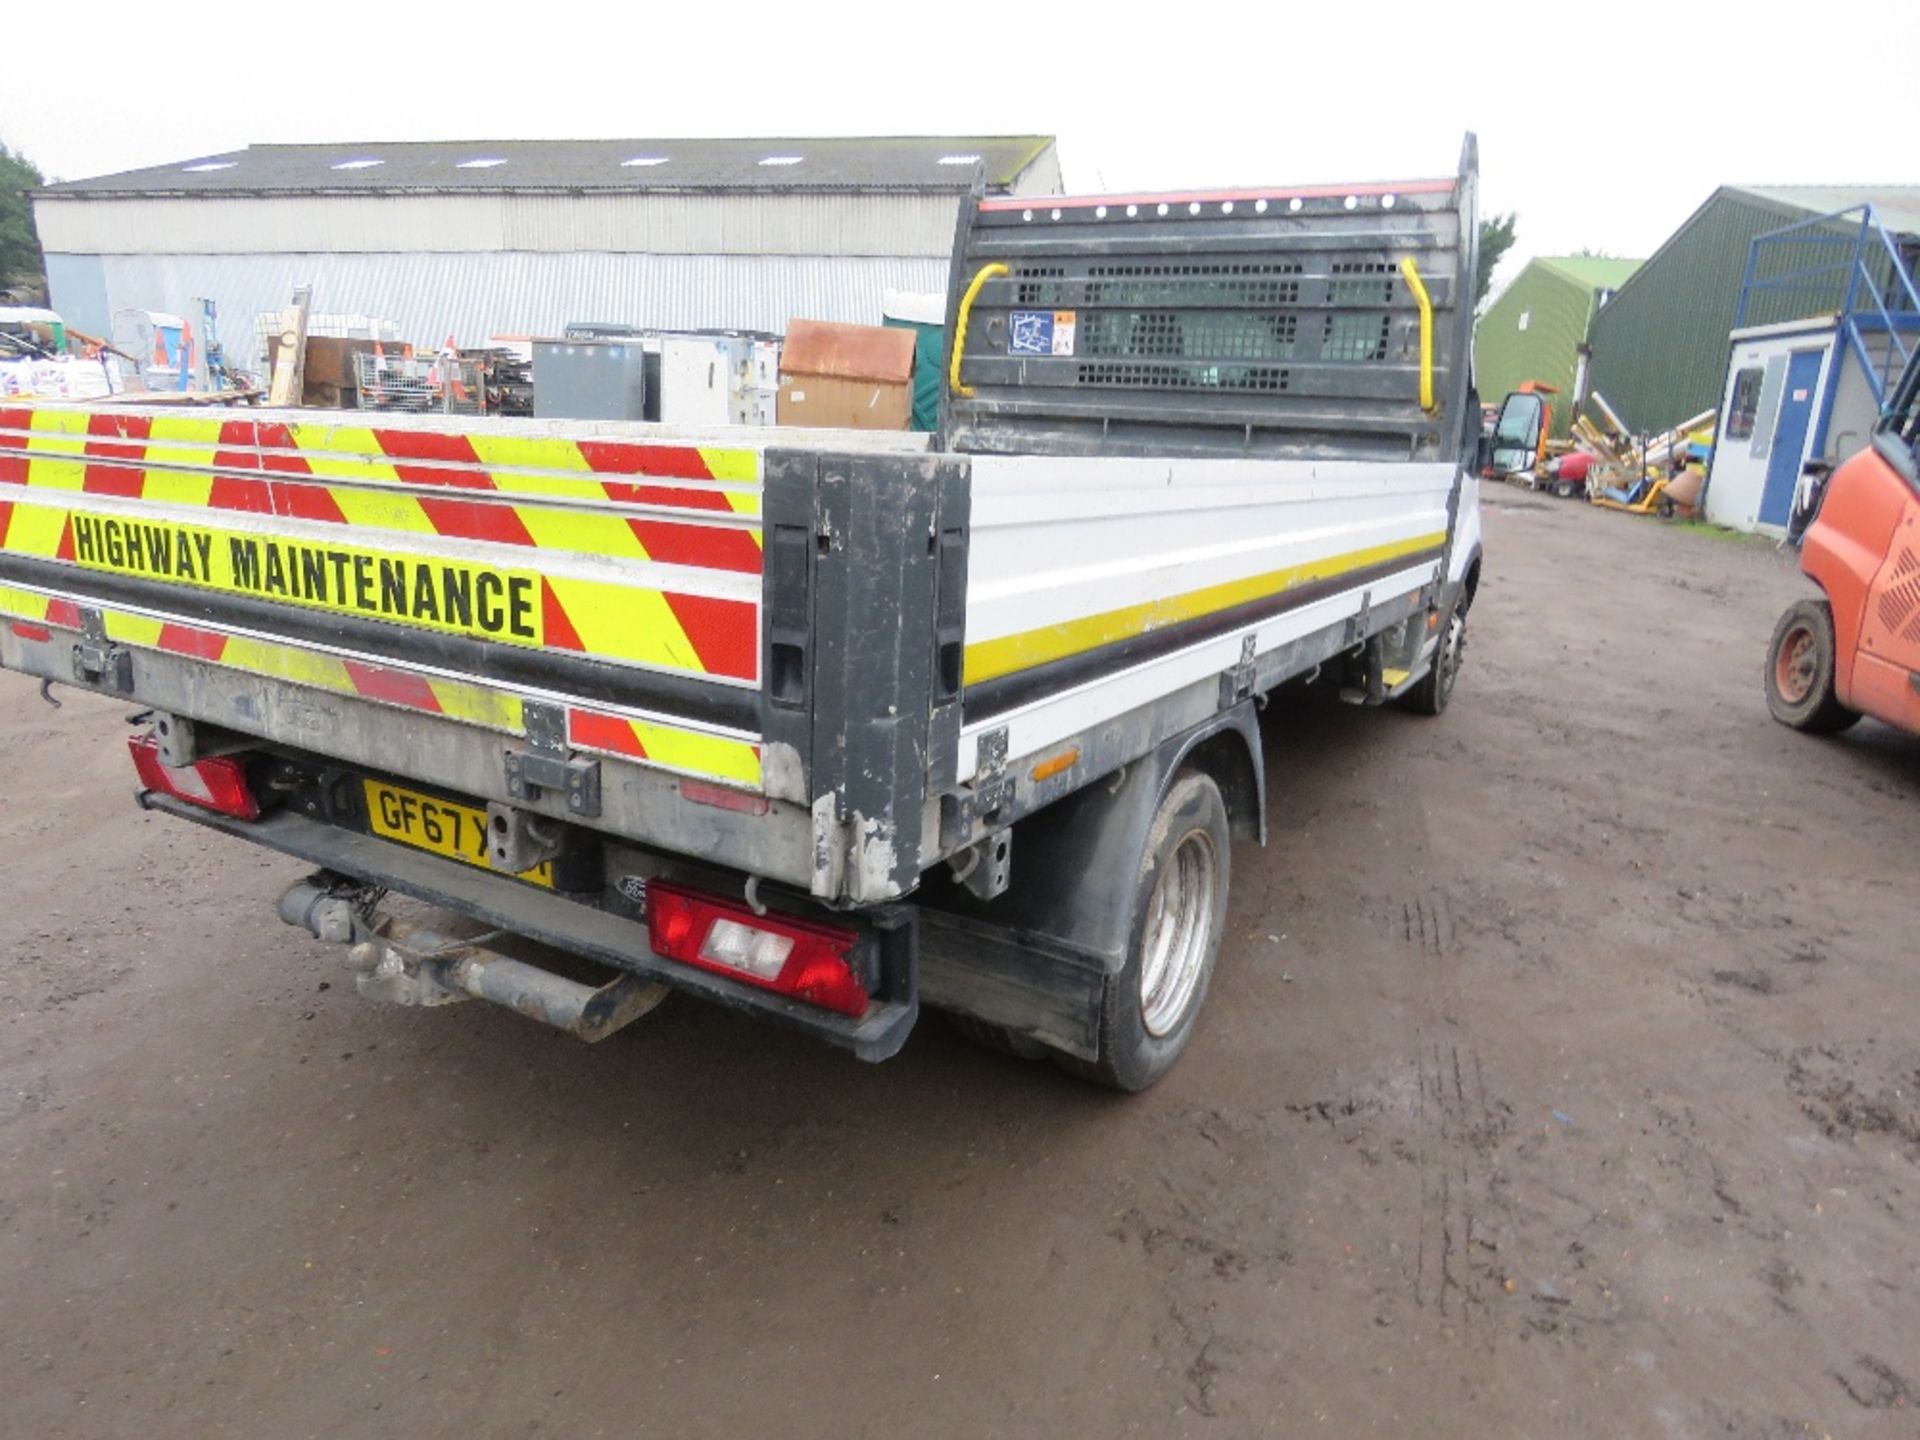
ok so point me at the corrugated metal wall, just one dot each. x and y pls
(473, 296)
(659, 224)
(1504, 354)
(1660, 345)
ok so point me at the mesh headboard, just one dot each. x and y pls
(1250, 322)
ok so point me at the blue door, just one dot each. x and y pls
(1790, 436)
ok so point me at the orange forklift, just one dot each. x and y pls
(1856, 650)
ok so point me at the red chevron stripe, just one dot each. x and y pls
(116, 437)
(187, 640)
(396, 687)
(63, 613)
(476, 520)
(447, 448)
(711, 547)
(278, 437)
(604, 732)
(675, 497)
(121, 438)
(674, 462)
(65, 550)
(236, 452)
(234, 492)
(6, 515)
(722, 632)
(13, 466)
(556, 626)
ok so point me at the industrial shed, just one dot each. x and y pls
(491, 238)
(1660, 345)
(1538, 326)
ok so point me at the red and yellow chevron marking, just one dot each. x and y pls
(120, 453)
(676, 749)
(609, 619)
(669, 505)
(694, 752)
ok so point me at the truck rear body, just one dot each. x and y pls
(827, 662)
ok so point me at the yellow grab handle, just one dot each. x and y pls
(987, 272)
(1425, 302)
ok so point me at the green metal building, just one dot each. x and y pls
(1535, 328)
(1660, 346)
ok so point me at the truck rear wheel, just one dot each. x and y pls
(1799, 674)
(1180, 906)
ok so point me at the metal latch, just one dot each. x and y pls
(986, 803)
(97, 660)
(551, 765)
(1361, 625)
(1237, 684)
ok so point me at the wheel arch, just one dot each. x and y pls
(1093, 840)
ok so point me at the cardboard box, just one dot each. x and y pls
(854, 377)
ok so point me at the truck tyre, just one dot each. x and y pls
(1430, 694)
(1799, 673)
(1180, 904)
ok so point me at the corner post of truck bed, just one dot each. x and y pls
(866, 573)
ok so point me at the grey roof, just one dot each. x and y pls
(1899, 205)
(912, 163)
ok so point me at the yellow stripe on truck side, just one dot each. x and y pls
(990, 659)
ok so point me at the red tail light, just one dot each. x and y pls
(801, 958)
(217, 784)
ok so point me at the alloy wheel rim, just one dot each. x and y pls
(1179, 926)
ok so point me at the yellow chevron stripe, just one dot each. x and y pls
(23, 604)
(35, 529)
(689, 751)
(186, 430)
(528, 452)
(990, 659)
(134, 629)
(699, 754)
(192, 488)
(588, 531)
(342, 452)
(626, 624)
(68, 421)
(382, 509)
(477, 705)
(286, 662)
(57, 435)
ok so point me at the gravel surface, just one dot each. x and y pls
(1561, 1076)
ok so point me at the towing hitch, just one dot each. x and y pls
(403, 962)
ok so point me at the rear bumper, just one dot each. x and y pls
(598, 935)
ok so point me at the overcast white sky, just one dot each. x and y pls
(1602, 125)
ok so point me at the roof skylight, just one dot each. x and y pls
(782, 159)
(357, 164)
(959, 159)
(201, 167)
(485, 162)
(645, 160)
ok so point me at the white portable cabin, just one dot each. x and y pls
(1788, 398)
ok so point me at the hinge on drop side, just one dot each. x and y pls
(551, 765)
(1237, 684)
(97, 660)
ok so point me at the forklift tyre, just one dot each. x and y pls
(1799, 673)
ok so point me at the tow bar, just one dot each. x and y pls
(405, 963)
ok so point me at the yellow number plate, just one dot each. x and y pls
(457, 831)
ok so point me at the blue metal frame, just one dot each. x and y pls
(1893, 310)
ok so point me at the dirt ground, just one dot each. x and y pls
(1561, 1077)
